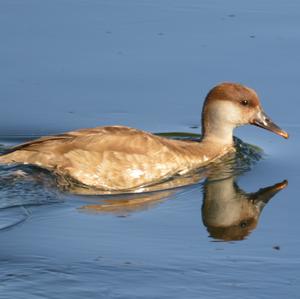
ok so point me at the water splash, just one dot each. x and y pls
(22, 187)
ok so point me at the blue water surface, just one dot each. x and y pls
(146, 64)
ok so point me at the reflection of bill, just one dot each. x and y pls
(231, 214)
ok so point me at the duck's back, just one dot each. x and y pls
(110, 158)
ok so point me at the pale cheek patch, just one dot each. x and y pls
(229, 112)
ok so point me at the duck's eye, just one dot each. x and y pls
(245, 102)
(243, 224)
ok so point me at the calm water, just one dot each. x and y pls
(149, 64)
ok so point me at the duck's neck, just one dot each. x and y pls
(218, 134)
(219, 118)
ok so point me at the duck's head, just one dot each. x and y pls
(230, 105)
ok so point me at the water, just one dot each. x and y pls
(148, 64)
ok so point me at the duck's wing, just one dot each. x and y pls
(67, 136)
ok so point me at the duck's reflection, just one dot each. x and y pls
(229, 213)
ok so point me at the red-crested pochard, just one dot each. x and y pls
(119, 158)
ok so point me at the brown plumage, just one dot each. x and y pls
(110, 158)
(122, 158)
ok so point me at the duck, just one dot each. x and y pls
(120, 158)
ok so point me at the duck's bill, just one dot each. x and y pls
(265, 194)
(263, 121)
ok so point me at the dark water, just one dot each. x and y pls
(148, 64)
